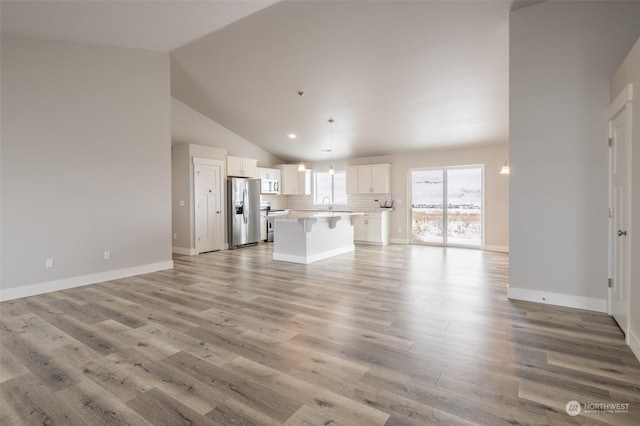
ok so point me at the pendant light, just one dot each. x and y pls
(301, 167)
(505, 168)
(331, 170)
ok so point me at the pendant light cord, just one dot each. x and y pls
(331, 170)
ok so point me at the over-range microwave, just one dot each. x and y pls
(269, 186)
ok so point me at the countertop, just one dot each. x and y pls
(317, 214)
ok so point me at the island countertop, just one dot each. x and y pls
(317, 214)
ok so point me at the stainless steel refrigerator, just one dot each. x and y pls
(243, 206)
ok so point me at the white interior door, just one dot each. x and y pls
(208, 207)
(619, 198)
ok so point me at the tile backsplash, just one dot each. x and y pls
(277, 202)
(367, 202)
(355, 202)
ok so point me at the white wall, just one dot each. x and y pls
(181, 216)
(190, 126)
(629, 72)
(562, 58)
(85, 163)
(496, 186)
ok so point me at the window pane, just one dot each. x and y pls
(340, 187)
(427, 216)
(324, 193)
(464, 206)
(323, 188)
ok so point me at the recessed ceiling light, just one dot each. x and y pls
(292, 136)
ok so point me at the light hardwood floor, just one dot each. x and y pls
(384, 335)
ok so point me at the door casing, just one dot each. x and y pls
(620, 117)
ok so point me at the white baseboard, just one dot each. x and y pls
(501, 249)
(634, 344)
(66, 283)
(399, 241)
(566, 300)
(313, 258)
(371, 243)
(182, 250)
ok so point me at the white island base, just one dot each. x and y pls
(307, 238)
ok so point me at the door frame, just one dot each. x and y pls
(621, 105)
(222, 194)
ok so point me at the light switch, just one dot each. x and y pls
(107, 255)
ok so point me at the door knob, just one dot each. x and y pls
(621, 233)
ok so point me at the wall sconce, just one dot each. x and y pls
(505, 168)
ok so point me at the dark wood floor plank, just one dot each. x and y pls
(10, 365)
(331, 404)
(234, 386)
(56, 373)
(233, 412)
(187, 343)
(184, 388)
(33, 402)
(160, 409)
(35, 326)
(96, 407)
(135, 338)
(82, 312)
(82, 332)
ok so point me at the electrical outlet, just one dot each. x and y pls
(181, 203)
(399, 228)
(48, 263)
(107, 255)
(175, 236)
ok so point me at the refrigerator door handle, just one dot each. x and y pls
(244, 206)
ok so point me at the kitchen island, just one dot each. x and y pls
(308, 236)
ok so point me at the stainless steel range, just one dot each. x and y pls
(271, 222)
(269, 215)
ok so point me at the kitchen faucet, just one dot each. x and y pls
(326, 197)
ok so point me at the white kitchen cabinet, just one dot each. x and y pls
(372, 228)
(352, 180)
(242, 167)
(293, 182)
(369, 179)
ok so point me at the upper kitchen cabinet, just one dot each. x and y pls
(369, 179)
(242, 167)
(293, 182)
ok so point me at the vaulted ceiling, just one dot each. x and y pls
(139, 24)
(396, 76)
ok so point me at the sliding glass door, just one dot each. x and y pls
(447, 206)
